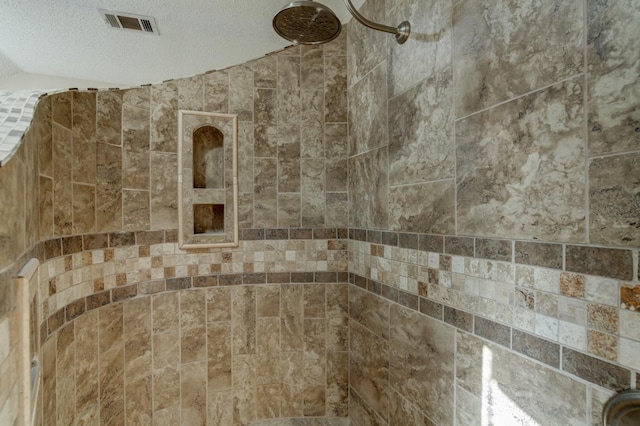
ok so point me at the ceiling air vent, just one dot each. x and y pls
(129, 21)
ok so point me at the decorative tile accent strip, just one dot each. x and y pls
(606, 262)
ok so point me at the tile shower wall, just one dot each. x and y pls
(493, 170)
(220, 355)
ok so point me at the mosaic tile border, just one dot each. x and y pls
(554, 355)
(16, 113)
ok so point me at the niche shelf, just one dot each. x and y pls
(207, 180)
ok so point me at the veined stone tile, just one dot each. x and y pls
(613, 211)
(421, 132)
(164, 120)
(84, 209)
(265, 123)
(288, 90)
(337, 47)
(337, 209)
(503, 52)
(164, 207)
(430, 41)
(84, 137)
(613, 54)
(265, 71)
(368, 209)
(138, 97)
(368, 112)
(312, 189)
(108, 188)
(335, 95)
(62, 198)
(191, 93)
(370, 311)
(520, 179)
(366, 49)
(369, 372)
(135, 147)
(216, 91)
(402, 412)
(408, 212)
(289, 210)
(46, 207)
(136, 210)
(425, 378)
(61, 112)
(360, 413)
(109, 117)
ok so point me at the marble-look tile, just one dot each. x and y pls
(335, 90)
(164, 194)
(337, 313)
(468, 408)
(430, 40)
(265, 71)
(65, 377)
(243, 319)
(86, 369)
(265, 123)
(368, 209)
(109, 117)
(138, 359)
(314, 301)
(191, 93)
(312, 187)
(518, 178)
(289, 210)
(108, 188)
(268, 401)
(421, 144)
(45, 198)
(368, 112)
(135, 214)
(289, 171)
(427, 207)
(337, 209)
(361, 414)
(62, 198)
(164, 119)
(613, 211)
(135, 148)
(370, 311)
(268, 301)
(425, 378)
(265, 193)
(219, 356)
(138, 97)
(45, 148)
(312, 94)
(366, 49)
(337, 397)
(612, 67)
(220, 408)
(336, 150)
(514, 384)
(84, 137)
(291, 317)
(216, 91)
(166, 308)
(193, 385)
(111, 368)
(338, 46)
(369, 368)
(599, 398)
(61, 109)
(503, 52)
(402, 412)
(291, 370)
(241, 91)
(84, 209)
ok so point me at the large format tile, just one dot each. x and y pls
(426, 207)
(508, 49)
(368, 189)
(421, 144)
(613, 65)
(428, 48)
(368, 112)
(613, 192)
(421, 362)
(520, 173)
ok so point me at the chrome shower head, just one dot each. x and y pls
(307, 22)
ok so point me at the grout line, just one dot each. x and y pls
(539, 89)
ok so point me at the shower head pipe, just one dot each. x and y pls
(401, 32)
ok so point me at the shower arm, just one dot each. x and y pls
(401, 32)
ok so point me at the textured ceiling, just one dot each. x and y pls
(68, 38)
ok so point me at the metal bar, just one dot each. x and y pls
(401, 31)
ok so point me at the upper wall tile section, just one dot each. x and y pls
(368, 208)
(366, 48)
(614, 212)
(368, 112)
(503, 50)
(16, 112)
(521, 173)
(613, 55)
(421, 146)
(430, 40)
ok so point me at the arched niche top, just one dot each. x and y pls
(208, 157)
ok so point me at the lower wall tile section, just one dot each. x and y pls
(410, 366)
(217, 355)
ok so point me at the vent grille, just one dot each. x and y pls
(129, 21)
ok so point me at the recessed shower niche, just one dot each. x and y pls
(207, 179)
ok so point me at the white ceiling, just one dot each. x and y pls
(68, 38)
